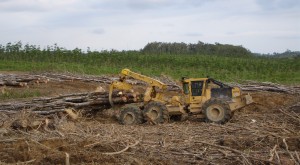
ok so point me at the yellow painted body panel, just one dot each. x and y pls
(187, 103)
(175, 110)
(149, 80)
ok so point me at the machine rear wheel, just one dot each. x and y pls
(131, 115)
(216, 111)
(156, 112)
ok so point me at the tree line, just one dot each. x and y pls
(197, 48)
(171, 48)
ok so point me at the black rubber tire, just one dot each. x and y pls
(182, 117)
(157, 112)
(131, 115)
(216, 111)
(176, 117)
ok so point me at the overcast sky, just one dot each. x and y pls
(263, 26)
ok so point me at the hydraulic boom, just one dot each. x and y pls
(151, 92)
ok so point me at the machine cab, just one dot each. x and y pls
(194, 89)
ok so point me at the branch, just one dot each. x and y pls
(242, 154)
(123, 150)
(293, 117)
(287, 149)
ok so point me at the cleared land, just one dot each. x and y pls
(267, 132)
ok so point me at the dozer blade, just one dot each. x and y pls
(249, 99)
(240, 102)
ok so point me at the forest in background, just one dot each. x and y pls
(221, 61)
(202, 48)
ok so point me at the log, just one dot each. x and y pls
(267, 86)
(86, 101)
(13, 83)
(45, 77)
(75, 99)
(21, 80)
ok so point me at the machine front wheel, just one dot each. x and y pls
(156, 112)
(131, 115)
(216, 111)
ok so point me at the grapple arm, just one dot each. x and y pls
(118, 85)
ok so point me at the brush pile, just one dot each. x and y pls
(251, 137)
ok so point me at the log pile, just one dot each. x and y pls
(79, 101)
(16, 80)
(267, 86)
(23, 80)
(84, 78)
(172, 86)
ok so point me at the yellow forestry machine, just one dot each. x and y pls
(209, 98)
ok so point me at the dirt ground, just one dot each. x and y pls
(266, 132)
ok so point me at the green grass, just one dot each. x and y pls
(11, 94)
(228, 69)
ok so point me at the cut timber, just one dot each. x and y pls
(23, 80)
(268, 86)
(84, 101)
(45, 77)
(13, 83)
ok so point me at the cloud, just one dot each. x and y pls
(130, 24)
(98, 31)
(270, 5)
(194, 34)
(148, 4)
(34, 5)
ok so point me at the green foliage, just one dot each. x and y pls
(286, 54)
(12, 94)
(198, 48)
(225, 68)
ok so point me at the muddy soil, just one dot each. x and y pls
(257, 134)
